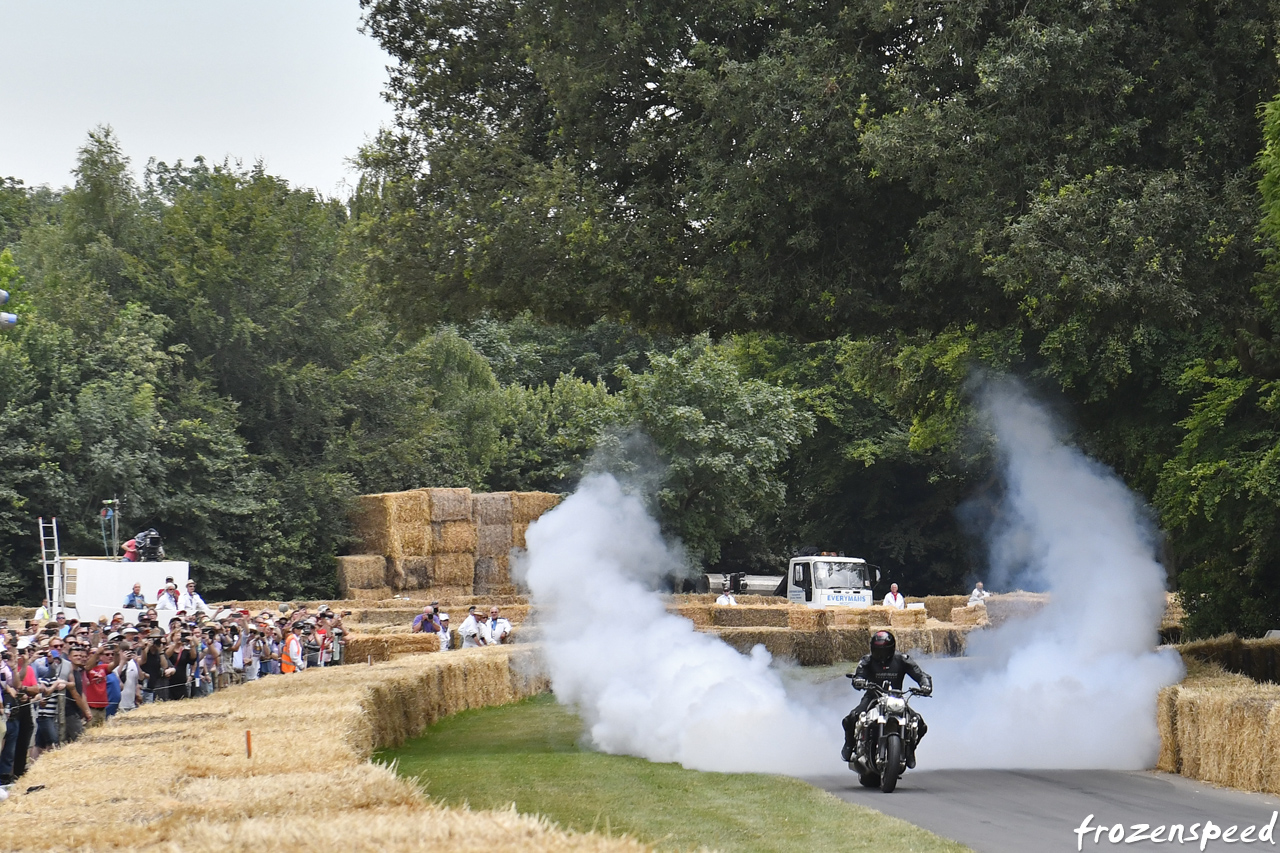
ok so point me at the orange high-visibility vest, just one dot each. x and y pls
(292, 652)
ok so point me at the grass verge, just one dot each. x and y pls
(529, 754)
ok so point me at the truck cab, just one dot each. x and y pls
(825, 581)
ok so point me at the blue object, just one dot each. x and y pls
(7, 319)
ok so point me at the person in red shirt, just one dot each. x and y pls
(95, 686)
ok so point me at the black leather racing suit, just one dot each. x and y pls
(894, 671)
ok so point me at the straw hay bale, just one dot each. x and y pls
(361, 571)
(939, 606)
(491, 574)
(750, 617)
(493, 508)
(454, 570)
(529, 506)
(850, 644)
(364, 646)
(453, 537)
(18, 613)
(807, 618)
(701, 615)
(393, 523)
(403, 644)
(1014, 605)
(411, 571)
(880, 616)
(908, 618)
(975, 615)
(780, 642)
(450, 504)
(494, 540)
(814, 648)
(849, 617)
(518, 532)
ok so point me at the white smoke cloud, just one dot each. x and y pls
(1073, 686)
(643, 680)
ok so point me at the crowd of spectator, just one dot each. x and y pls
(480, 628)
(59, 675)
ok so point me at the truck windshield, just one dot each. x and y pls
(837, 575)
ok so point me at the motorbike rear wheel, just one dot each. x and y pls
(892, 763)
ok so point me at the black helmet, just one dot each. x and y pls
(882, 646)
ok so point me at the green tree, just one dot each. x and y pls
(723, 439)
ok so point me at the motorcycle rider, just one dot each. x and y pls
(884, 665)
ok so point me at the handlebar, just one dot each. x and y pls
(863, 684)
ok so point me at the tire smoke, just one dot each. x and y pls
(1073, 686)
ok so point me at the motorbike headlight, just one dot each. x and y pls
(893, 703)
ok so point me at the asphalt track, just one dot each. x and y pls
(1025, 811)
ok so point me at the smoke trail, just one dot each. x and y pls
(644, 681)
(1073, 686)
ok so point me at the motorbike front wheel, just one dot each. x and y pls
(892, 763)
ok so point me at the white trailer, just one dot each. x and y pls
(830, 581)
(88, 587)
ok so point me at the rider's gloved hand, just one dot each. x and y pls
(860, 684)
(925, 691)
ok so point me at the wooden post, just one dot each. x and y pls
(248, 743)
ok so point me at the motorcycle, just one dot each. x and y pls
(885, 736)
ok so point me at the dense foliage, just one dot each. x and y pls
(876, 202)
(771, 245)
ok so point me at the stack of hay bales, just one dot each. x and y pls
(453, 542)
(363, 576)
(448, 541)
(1222, 728)
(492, 514)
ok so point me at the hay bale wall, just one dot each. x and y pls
(409, 527)
(807, 618)
(194, 799)
(1221, 727)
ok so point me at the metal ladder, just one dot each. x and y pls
(51, 560)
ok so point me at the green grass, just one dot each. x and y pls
(529, 754)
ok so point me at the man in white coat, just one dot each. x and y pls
(472, 631)
(978, 594)
(894, 598)
(499, 628)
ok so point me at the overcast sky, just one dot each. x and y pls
(291, 82)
